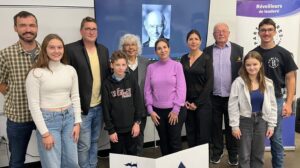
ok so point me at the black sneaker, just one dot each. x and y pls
(233, 162)
(216, 159)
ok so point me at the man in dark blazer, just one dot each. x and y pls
(227, 60)
(91, 61)
(131, 45)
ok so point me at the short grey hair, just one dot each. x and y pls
(130, 38)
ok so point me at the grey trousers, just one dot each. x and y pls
(252, 143)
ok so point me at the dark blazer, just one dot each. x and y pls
(78, 58)
(142, 69)
(236, 58)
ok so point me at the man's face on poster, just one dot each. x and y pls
(154, 25)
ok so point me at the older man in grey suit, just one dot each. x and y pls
(131, 45)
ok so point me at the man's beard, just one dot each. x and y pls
(26, 39)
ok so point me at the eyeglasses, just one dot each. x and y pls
(90, 29)
(129, 44)
(266, 30)
(220, 31)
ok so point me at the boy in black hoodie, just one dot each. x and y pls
(122, 107)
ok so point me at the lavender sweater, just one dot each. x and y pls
(165, 86)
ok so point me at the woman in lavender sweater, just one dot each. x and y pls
(165, 92)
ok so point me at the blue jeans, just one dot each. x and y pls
(64, 151)
(277, 150)
(18, 136)
(89, 136)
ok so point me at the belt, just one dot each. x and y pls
(256, 114)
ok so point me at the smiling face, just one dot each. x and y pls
(162, 50)
(221, 33)
(252, 66)
(131, 49)
(266, 33)
(194, 42)
(89, 32)
(55, 50)
(27, 28)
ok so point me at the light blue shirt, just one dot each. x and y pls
(222, 70)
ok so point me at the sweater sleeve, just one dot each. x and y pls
(75, 97)
(33, 94)
(272, 117)
(209, 82)
(148, 91)
(107, 109)
(180, 89)
(233, 106)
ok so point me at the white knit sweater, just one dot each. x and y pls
(57, 88)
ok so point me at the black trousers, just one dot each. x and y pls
(140, 138)
(198, 125)
(126, 144)
(220, 108)
(170, 135)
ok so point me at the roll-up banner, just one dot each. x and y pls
(286, 14)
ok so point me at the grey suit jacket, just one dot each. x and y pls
(142, 69)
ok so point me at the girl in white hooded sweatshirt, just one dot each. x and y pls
(252, 111)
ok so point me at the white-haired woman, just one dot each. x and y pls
(131, 45)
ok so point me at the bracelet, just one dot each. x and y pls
(46, 136)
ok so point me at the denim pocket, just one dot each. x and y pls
(48, 116)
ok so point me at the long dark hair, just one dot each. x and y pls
(260, 76)
(43, 59)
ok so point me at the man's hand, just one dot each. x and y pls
(286, 110)
(3, 88)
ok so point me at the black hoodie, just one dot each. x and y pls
(122, 105)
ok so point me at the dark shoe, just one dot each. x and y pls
(216, 159)
(233, 162)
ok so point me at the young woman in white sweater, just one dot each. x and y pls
(53, 98)
(252, 111)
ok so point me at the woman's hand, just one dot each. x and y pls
(237, 133)
(48, 141)
(76, 131)
(173, 118)
(269, 133)
(155, 118)
(190, 106)
(135, 131)
(114, 137)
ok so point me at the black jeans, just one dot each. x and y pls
(170, 135)
(140, 138)
(220, 108)
(198, 125)
(126, 144)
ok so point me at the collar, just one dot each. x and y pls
(21, 50)
(134, 65)
(228, 44)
